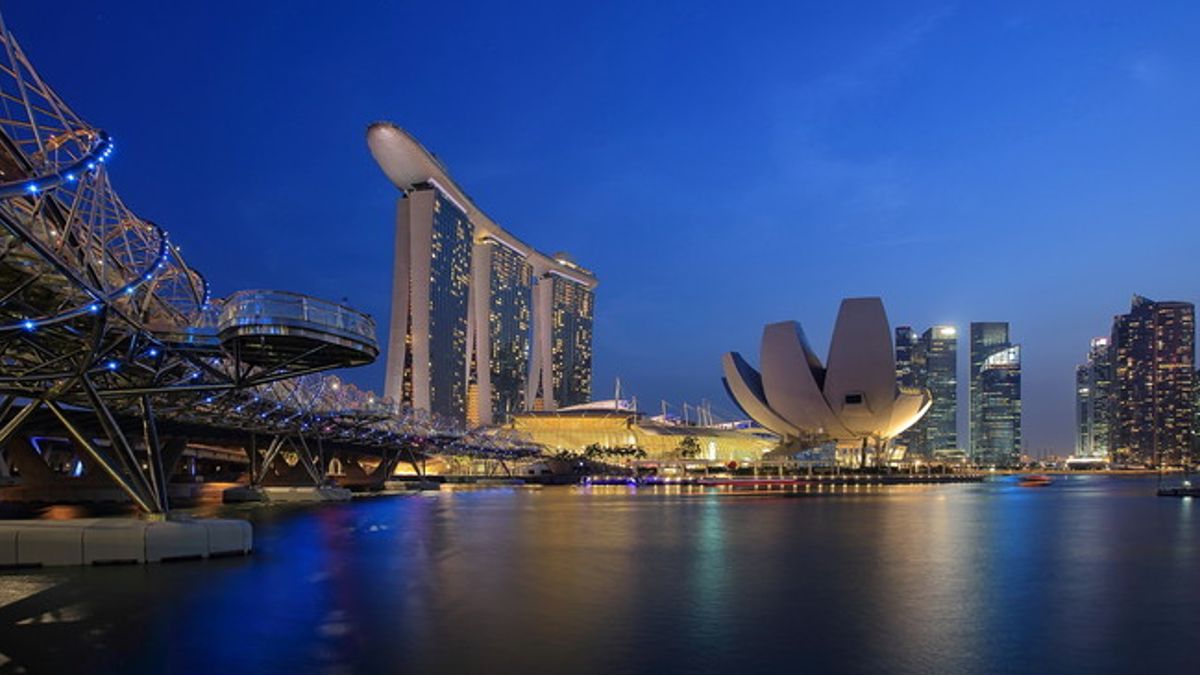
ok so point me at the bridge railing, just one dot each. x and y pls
(284, 308)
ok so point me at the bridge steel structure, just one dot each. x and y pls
(108, 332)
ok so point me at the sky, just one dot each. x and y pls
(719, 167)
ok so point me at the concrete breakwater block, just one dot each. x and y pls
(8, 546)
(307, 494)
(98, 541)
(51, 544)
(228, 537)
(114, 541)
(243, 493)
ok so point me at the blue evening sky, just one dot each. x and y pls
(718, 165)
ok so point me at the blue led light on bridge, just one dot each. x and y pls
(112, 365)
(152, 352)
(28, 325)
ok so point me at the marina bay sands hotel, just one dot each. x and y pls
(483, 325)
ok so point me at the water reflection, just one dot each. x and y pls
(1091, 575)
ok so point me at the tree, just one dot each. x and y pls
(689, 447)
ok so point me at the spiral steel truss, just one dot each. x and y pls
(100, 313)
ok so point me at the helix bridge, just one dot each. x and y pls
(108, 333)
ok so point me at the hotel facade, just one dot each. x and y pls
(483, 325)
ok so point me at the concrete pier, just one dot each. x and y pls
(105, 541)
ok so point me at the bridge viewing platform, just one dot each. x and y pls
(114, 357)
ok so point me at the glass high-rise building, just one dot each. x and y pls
(1153, 358)
(1093, 402)
(910, 374)
(572, 341)
(508, 329)
(906, 346)
(449, 284)
(941, 367)
(427, 356)
(995, 393)
(930, 361)
(480, 319)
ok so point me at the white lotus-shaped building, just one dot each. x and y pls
(853, 400)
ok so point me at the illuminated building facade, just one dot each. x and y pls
(1094, 401)
(575, 430)
(427, 357)
(853, 401)
(907, 371)
(1153, 357)
(571, 346)
(940, 344)
(995, 390)
(509, 320)
(930, 361)
(483, 325)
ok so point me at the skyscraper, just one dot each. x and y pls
(910, 373)
(503, 279)
(941, 366)
(572, 340)
(995, 391)
(906, 345)
(930, 361)
(483, 325)
(1093, 401)
(428, 346)
(1154, 378)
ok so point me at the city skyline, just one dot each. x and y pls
(299, 351)
(822, 167)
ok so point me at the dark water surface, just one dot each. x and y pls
(1092, 574)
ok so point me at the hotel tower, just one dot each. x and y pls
(483, 326)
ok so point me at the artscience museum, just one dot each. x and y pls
(851, 400)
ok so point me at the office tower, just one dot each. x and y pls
(906, 344)
(1083, 403)
(1093, 401)
(910, 374)
(940, 344)
(930, 361)
(483, 325)
(1153, 382)
(995, 393)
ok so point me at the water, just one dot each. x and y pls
(1091, 574)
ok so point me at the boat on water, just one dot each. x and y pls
(1035, 480)
(1185, 489)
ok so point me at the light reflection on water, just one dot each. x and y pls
(1088, 575)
